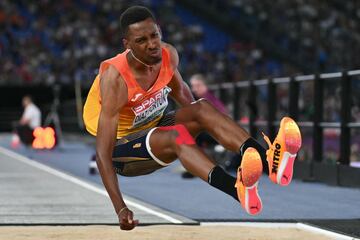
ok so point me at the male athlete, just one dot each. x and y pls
(125, 111)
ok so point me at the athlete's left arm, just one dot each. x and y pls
(181, 92)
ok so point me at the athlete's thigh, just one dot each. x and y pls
(187, 116)
(160, 142)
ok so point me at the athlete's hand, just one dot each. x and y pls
(126, 219)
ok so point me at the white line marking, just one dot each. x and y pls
(331, 234)
(251, 224)
(83, 183)
(300, 226)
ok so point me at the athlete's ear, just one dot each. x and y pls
(160, 33)
(126, 43)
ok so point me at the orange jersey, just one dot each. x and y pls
(144, 109)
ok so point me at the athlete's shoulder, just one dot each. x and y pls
(113, 77)
(118, 61)
(110, 73)
(174, 56)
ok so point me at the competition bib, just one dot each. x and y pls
(151, 108)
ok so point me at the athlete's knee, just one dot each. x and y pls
(180, 135)
(203, 107)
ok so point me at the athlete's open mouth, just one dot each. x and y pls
(154, 52)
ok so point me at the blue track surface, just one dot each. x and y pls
(197, 200)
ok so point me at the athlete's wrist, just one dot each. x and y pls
(120, 207)
(121, 210)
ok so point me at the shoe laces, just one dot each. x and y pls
(270, 145)
(239, 181)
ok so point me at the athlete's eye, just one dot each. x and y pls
(155, 35)
(140, 40)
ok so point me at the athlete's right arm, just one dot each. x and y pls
(113, 92)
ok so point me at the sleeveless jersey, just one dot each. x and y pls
(144, 109)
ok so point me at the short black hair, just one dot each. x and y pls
(133, 15)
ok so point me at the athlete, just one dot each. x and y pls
(125, 111)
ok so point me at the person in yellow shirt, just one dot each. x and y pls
(125, 111)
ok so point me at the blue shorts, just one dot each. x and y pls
(132, 154)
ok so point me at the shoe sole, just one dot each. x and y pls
(251, 167)
(253, 204)
(251, 172)
(293, 144)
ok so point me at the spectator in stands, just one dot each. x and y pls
(200, 90)
(30, 119)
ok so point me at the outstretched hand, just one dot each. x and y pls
(126, 219)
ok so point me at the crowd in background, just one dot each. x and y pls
(42, 42)
(322, 34)
(47, 42)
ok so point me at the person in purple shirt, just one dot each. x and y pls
(201, 90)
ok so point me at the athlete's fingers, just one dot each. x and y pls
(130, 217)
(125, 225)
(126, 220)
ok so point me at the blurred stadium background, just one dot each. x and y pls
(264, 59)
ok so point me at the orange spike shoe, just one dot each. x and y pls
(248, 175)
(282, 152)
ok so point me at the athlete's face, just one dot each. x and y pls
(144, 39)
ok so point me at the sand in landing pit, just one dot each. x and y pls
(158, 232)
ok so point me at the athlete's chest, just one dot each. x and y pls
(148, 79)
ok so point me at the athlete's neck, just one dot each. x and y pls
(150, 67)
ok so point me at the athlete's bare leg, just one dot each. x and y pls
(163, 146)
(202, 116)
